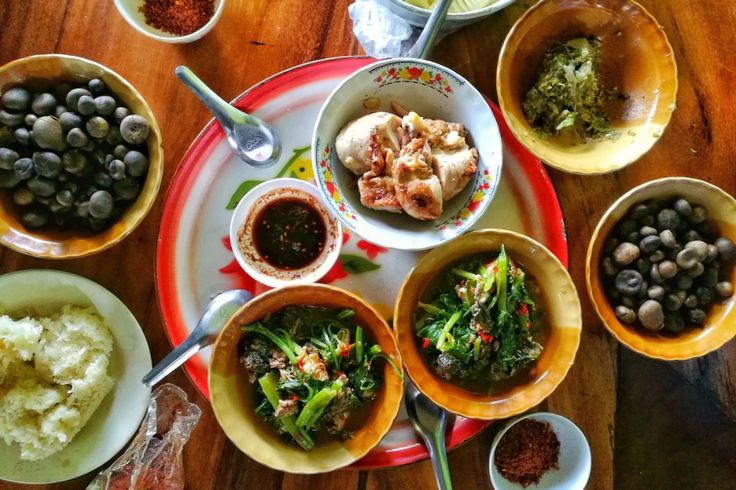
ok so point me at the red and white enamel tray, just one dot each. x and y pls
(194, 263)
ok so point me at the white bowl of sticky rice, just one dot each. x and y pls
(71, 361)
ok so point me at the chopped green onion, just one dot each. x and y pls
(467, 275)
(501, 280)
(269, 386)
(314, 408)
(446, 330)
(431, 309)
(359, 344)
(280, 343)
(345, 314)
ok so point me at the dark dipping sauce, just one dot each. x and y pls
(289, 233)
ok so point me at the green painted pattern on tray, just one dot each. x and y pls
(246, 186)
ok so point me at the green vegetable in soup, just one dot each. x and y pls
(569, 96)
(480, 323)
(315, 369)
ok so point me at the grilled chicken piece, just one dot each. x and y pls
(454, 169)
(418, 190)
(362, 144)
(454, 162)
(379, 193)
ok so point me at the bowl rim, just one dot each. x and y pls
(243, 210)
(647, 348)
(561, 420)
(494, 128)
(578, 326)
(458, 16)
(155, 172)
(326, 288)
(560, 165)
(171, 38)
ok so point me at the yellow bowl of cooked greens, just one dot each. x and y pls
(588, 86)
(306, 379)
(488, 324)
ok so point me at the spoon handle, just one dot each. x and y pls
(423, 46)
(224, 112)
(174, 359)
(438, 454)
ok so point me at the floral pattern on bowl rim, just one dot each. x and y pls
(406, 71)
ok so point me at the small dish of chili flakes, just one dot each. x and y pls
(540, 451)
(171, 21)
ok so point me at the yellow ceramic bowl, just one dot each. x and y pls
(635, 57)
(562, 311)
(41, 69)
(720, 324)
(232, 395)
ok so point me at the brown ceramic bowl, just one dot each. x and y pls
(635, 57)
(562, 312)
(232, 395)
(46, 68)
(720, 324)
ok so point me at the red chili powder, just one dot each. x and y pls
(178, 17)
(527, 451)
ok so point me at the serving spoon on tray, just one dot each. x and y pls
(215, 315)
(255, 142)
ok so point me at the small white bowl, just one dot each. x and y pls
(418, 16)
(129, 10)
(242, 223)
(574, 460)
(120, 413)
(432, 91)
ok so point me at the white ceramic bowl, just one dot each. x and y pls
(121, 412)
(432, 91)
(129, 10)
(418, 16)
(574, 460)
(249, 207)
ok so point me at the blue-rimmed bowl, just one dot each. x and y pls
(432, 91)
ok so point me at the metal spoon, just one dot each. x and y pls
(429, 421)
(217, 312)
(254, 141)
(425, 42)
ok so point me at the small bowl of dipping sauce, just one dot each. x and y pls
(281, 233)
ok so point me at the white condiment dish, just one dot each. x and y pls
(243, 221)
(120, 413)
(129, 9)
(574, 459)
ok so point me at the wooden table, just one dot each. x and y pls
(650, 424)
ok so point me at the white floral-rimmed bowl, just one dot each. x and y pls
(432, 91)
(243, 221)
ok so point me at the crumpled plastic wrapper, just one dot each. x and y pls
(382, 33)
(154, 458)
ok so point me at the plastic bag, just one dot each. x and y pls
(154, 458)
(382, 33)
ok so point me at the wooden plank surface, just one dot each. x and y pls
(649, 424)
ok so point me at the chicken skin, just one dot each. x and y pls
(418, 190)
